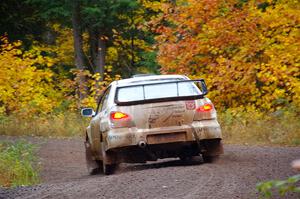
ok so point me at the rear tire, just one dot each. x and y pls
(185, 158)
(213, 149)
(108, 168)
(209, 158)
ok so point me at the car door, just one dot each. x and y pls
(103, 111)
(103, 120)
(95, 124)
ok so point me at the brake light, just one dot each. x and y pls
(118, 115)
(120, 120)
(205, 111)
(205, 108)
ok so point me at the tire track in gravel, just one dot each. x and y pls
(234, 175)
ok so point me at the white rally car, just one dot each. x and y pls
(150, 117)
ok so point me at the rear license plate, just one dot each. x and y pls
(166, 138)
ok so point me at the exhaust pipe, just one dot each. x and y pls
(142, 144)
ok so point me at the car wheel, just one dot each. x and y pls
(107, 168)
(209, 158)
(92, 165)
(185, 158)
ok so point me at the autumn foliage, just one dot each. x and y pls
(247, 51)
(25, 88)
(30, 85)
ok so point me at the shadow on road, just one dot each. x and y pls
(124, 167)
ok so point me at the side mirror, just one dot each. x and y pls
(87, 112)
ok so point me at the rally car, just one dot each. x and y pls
(146, 118)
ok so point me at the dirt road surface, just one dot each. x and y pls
(234, 175)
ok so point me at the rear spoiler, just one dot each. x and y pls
(176, 98)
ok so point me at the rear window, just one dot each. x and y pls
(157, 91)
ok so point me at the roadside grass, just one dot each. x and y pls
(18, 164)
(280, 128)
(238, 127)
(56, 125)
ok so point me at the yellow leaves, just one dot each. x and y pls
(109, 68)
(92, 86)
(89, 102)
(246, 55)
(2, 110)
(24, 88)
(104, 38)
(61, 52)
(18, 52)
(150, 4)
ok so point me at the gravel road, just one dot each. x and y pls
(234, 175)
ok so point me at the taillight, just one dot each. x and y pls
(120, 120)
(118, 115)
(205, 108)
(205, 112)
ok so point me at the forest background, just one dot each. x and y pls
(57, 56)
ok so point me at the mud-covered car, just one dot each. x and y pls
(150, 117)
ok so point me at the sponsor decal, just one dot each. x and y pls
(190, 105)
(166, 115)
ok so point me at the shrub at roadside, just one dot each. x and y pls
(283, 187)
(17, 164)
(53, 125)
(238, 126)
(30, 86)
(26, 87)
(254, 127)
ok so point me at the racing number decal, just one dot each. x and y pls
(190, 105)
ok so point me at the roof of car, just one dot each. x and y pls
(138, 79)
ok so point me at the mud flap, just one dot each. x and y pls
(108, 161)
(197, 139)
(212, 147)
(92, 165)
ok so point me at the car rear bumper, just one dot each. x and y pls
(123, 137)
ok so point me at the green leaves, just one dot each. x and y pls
(281, 186)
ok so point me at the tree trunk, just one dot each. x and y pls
(97, 52)
(77, 36)
(93, 45)
(78, 48)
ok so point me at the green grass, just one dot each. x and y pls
(280, 128)
(18, 164)
(56, 125)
